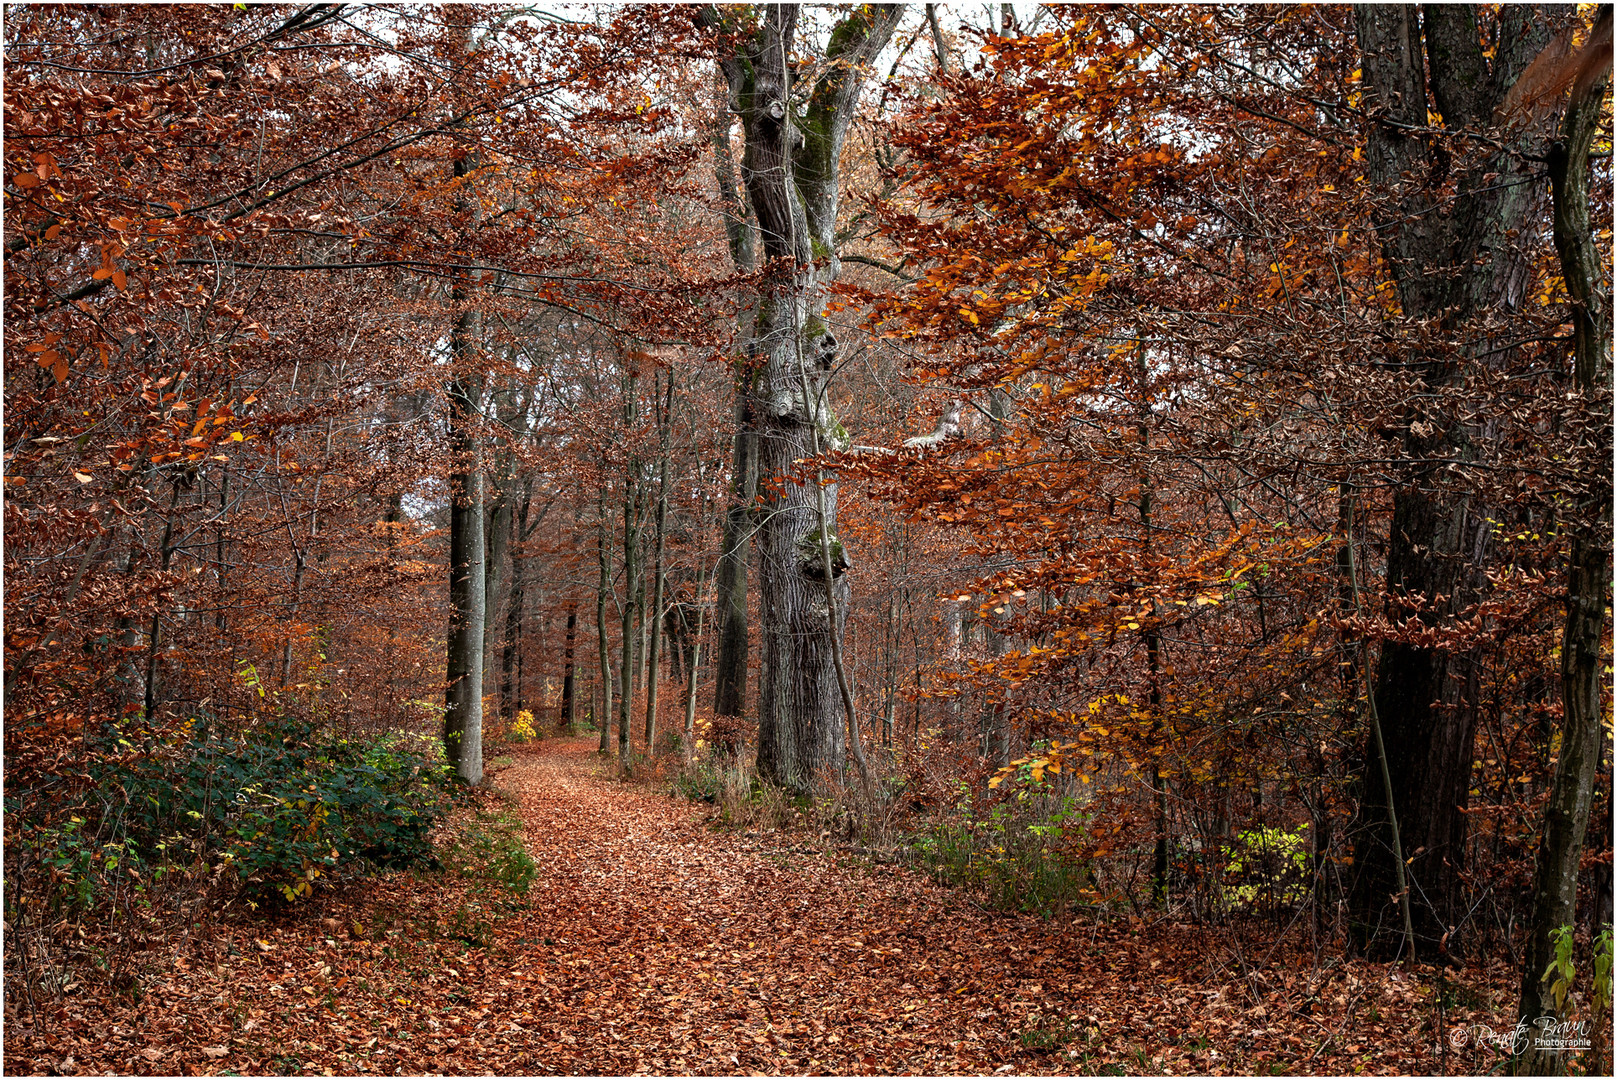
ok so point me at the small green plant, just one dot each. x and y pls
(491, 854)
(1561, 969)
(1018, 853)
(1600, 1003)
(1049, 1033)
(471, 925)
(716, 777)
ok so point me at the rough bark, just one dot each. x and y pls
(790, 169)
(730, 581)
(1453, 259)
(1588, 570)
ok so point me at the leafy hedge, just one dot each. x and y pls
(275, 806)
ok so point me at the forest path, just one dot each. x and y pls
(650, 942)
(676, 948)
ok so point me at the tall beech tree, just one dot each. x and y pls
(795, 128)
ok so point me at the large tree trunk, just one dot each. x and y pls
(730, 582)
(790, 169)
(1450, 268)
(1588, 572)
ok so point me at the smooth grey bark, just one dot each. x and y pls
(1449, 267)
(603, 587)
(790, 169)
(463, 697)
(653, 619)
(629, 605)
(1588, 570)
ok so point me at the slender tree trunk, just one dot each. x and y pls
(1588, 571)
(221, 619)
(166, 553)
(654, 618)
(463, 704)
(602, 588)
(498, 519)
(510, 656)
(569, 689)
(463, 716)
(677, 634)
(633, 587)
(688, 744)
(1152, 637)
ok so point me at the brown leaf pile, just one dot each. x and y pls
(653, 944)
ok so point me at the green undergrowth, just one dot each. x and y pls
(1016, 852)
(278, 808)
(486, 855)
(488, 852)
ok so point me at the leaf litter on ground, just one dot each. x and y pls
(650, 942)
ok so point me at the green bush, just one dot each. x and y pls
(1266, 868)
(1017, 854)
(275, 806)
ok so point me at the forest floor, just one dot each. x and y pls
(653, 942)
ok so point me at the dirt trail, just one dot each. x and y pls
(652, 943)
(688, 950)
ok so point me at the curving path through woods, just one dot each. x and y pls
(652, 943)
(679, 949)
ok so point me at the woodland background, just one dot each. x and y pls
(1150, 459)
